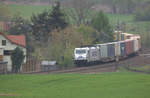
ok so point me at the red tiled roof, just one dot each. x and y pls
(16, 39)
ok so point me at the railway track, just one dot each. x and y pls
(109, 67)
(103, 67)
(135, 61)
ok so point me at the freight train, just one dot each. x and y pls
(123, 46)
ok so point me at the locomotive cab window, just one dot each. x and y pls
(80, 51)
(3, 42)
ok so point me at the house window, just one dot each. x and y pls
(7, 52)
(3, 42)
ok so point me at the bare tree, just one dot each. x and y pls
(81, 11)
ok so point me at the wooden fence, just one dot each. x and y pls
(31, 65)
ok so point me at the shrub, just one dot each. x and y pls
(17, 58)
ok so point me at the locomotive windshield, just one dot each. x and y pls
(80, 51)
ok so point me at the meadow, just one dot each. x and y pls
(106, 85)
(26, 11)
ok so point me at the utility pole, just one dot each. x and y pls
(117, 57)
(64, 44)
(123, 26)
(118, 25)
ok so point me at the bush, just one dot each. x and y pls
(67, 59)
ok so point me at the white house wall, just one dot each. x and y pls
(10, 46)
(1, 51)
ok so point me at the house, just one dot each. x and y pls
(7, 44)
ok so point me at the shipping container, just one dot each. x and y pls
(136, 47)
(122, 48)
(125, 34)
(129, 47)
(119, 35)
(122, 36)
(117, 48)
(103, 50)
(115, 36)
(139, 43)
(94, 54)
(111, 50)
(128, 36)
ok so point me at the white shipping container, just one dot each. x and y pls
(94, 54)
(136, 47)
(117, 48)
(103, 50)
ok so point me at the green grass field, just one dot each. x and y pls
(107, 85)
(132, 26)
(26, 11)
(120, 17)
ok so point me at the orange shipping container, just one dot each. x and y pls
(129, 47)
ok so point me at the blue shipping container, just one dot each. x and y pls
(111, 50)
(123, 48)
(122, 36)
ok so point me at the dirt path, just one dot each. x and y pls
(9, 95)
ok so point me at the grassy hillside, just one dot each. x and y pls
(121, 18)
(108, 85)
(26, 11)
(131, 25)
